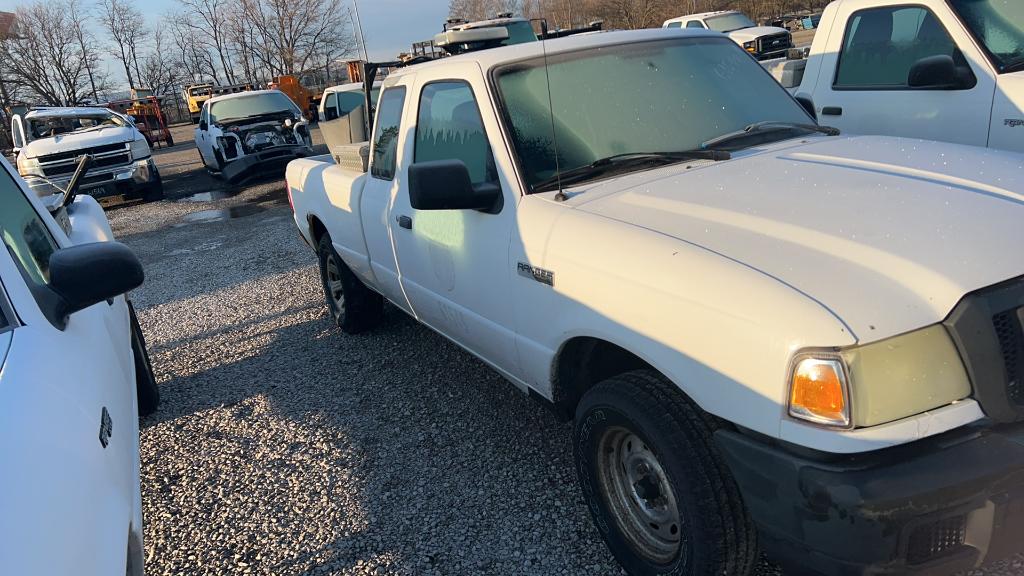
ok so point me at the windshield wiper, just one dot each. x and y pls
(619, 162)
(760, 128)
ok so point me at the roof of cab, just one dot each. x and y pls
(700, 16)
(490, 57)
(244, 94)
(68, 111)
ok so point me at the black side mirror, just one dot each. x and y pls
(446, 185)
(808, 106)
(203, 125)
(938, 73)
(88, 274)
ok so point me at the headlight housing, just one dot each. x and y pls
(880, 382)
(750, 46)
(140, 149)
(29, 166)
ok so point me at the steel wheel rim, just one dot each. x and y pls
(639, 495)
(335, 291)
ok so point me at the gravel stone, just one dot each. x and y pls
(285, 447)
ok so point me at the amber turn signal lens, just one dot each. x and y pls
(818, 392)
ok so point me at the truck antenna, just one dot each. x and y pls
(560, 195)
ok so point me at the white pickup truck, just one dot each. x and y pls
(949, 70)
(768, 335)
(761, 41)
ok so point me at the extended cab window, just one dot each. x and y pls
(385, 133)
(694, 24)
(882, 44)
(674, 25)
(449, 127)
(23, 232)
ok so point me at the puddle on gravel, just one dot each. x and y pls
(222, 214)
(208, 196)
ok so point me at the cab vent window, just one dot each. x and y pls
(385, 133)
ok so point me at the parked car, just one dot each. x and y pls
(762, 42)
(48, 142)
(768, 335)
(249, 132)
(73, 366)
(950, 70)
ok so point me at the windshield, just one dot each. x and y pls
(349, 101)
(667, 95)
(49, 126)
(729, 22)
(519, 32)
(249, 106)
(999, 26)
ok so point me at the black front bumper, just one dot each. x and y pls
(936, 506)
(263, 162)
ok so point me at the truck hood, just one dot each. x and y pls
(887, 233)
(77, 141)
(747, 34)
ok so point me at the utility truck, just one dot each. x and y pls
(949, 70)
(769, 336)
(763, 42)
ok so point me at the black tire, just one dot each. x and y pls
(145, 382)
(354, 308)
(715, 534)
(154, 190)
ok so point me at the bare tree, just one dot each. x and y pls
(482, 9)
(192, 54)
(160, 71)
(209, 21)
(290, 36)
(126, 27)
(45, 57)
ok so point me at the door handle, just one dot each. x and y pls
(832, 111)
(404, 222)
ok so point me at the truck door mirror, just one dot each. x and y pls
(939, 73)
(88, 274)
(17, 133)
(446, 185)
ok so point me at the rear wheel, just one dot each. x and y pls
(145, 382)
(353, 307)
(661, 496)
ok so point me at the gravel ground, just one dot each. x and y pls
(284, 447)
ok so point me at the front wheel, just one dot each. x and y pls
(661, 496)
(353, 307)
(145, 382)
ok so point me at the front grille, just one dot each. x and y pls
(936, 539)
(68, 167)
(774, 43)
(74, 154)
(1011, 343)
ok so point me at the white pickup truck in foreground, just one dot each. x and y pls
(769, 336)
(948, 70)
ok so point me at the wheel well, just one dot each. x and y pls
(583, 362)
(316, 230)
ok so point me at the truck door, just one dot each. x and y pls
(203, 142)
(865, 86)
(69, 422)
(454, 264)
(382, 184)
(17, 132)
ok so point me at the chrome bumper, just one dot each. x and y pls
(137, 173)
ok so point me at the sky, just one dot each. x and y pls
(390, 26)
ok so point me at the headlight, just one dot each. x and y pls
(750, 46)
(140, 149)
(879, 382)
(29, 166)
